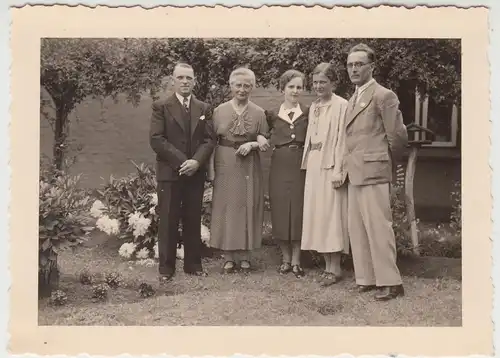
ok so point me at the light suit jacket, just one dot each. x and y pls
(376, 136)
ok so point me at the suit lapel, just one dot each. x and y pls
(175, 109)
(362, 104)
(196, 111)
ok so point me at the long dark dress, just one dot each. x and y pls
(238, 195)
(286, 178)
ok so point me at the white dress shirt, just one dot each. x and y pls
(362, 89)
(181, 99)
(284, 113)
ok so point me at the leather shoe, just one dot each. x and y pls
(389, 292)
(366, 288)
(164, 278)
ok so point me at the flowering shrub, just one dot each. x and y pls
(432, 242)
(100, 291)
(127, 208)
(86, 277)
(58, 298)
(113, 279)
(146, 290)
(63, 221)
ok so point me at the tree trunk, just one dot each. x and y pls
(48, 273)
(60, 137)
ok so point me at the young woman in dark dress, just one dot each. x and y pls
(288, 127)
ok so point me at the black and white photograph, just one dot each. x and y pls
(262, 181)
(267, 181)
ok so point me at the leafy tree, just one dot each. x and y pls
(431, 65)
(74, 69)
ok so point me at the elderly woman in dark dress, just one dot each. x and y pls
(238, 196)
(288, 125)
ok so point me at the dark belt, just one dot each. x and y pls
(229, 143)
(292, 145)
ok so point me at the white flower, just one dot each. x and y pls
(96, 209)
(180, 253)
(152, 210)
(202, 118)
(127, 249)
(134, 218)
(155, 249)
(142, 253)
(205, 234)
(141, 228)
(139, 223)
(109, 226)
(154, 199)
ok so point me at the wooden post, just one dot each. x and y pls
(409, 198)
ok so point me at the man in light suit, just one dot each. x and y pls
(375, 138)
(182, 136)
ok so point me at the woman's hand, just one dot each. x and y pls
(246, 148)
(263, 143)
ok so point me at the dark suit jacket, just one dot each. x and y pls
(283, 132)
(168, 137)
(376, 136)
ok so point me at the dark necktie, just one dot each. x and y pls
(185, 104)
(290, 115)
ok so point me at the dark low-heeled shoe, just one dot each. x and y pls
(229, 267)
(298, 271)
(245, 268)
(329, 279)
(285, 268)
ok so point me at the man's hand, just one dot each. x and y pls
(337, 183)
(189, 167)
(263, 143)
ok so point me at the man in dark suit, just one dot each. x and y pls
(182, 136)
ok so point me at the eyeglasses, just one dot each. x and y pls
(357, 64)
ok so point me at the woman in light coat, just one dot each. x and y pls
(325, 196)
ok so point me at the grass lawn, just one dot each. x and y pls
(260, 298)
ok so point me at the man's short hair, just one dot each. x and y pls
(364, 48)
(183, 65)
